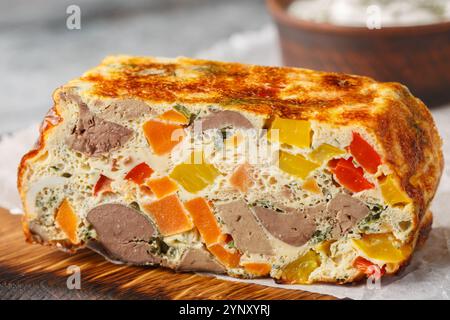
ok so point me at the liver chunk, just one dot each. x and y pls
(94, 136)
(294, 227)
(198, 259)
(347, 211)
(225, 118)
(126, 109)
(124, 233)
(247, 233)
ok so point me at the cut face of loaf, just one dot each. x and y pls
(227, 168)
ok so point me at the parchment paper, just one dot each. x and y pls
(428, 275)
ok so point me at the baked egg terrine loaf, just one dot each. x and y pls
(251, 171)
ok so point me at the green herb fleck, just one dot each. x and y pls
(374, 216)
(231, 245)
(183, 110)
(162, 246)
(186, 112)
(236, 101)
(156, 246)
(223, 132)
(376, 208)
(135, 206)
(320, 235)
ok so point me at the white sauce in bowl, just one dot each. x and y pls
(374, 14)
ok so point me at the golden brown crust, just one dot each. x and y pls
(258, 89)
(413, 147)
(419, 239)
(424, 229)
(51, 120)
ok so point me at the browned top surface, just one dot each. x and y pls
(290, 92)
(38, 272)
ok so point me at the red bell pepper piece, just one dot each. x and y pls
(347, 163)
(368, 268)
(103, 185)
(349, 176)
(364, 153)
(332, 164)
(139, 173)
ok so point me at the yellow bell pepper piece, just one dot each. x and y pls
(194, 175)
(324, 152)
(296, 164)
(382, 247)
(293, 132)
(299, 270)
(324, 247)
(392, 193)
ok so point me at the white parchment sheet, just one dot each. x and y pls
(428, 275)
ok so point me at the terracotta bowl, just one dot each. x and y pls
(417, 56)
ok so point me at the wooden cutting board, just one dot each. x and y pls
(39, 272)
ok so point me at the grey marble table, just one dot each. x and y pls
(38, 52)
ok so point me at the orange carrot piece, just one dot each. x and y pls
(204, 220)
(103, 185)
(311, 185)
(259, 269)
(228, 258)
(241, 179)
(175, 117)
(208, 228)
(139, 174)
(163, 137)
(162, 187)
(169, 215)
(67, 221)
